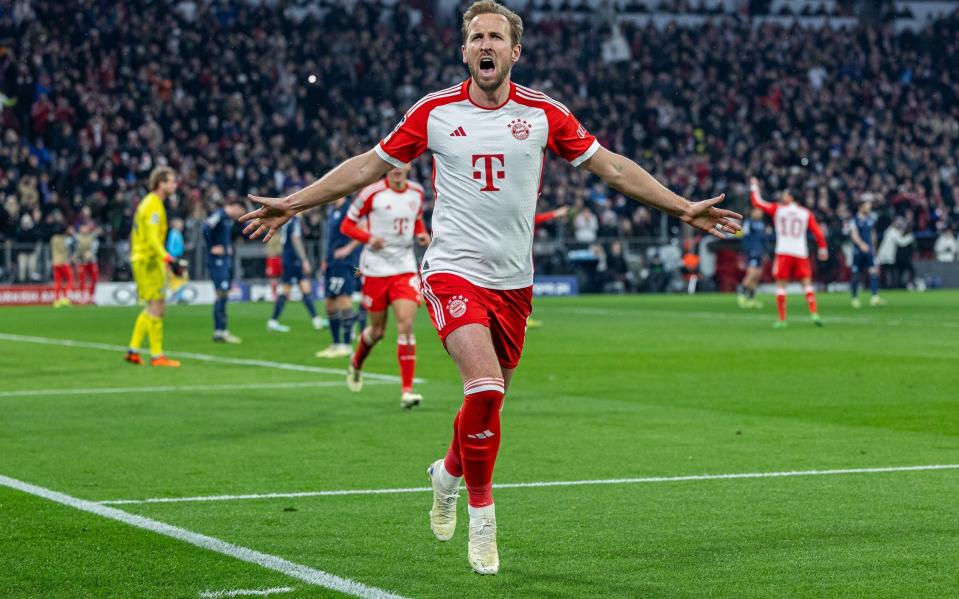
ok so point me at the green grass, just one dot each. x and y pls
(611, 387)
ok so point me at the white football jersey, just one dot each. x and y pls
(792, 221)
(395, 216)
(487, 170)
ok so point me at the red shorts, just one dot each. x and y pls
(453, 301)
(380, 292)
(791, 268)
(274, 267)
(62, 273)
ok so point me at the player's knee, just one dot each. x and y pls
(404, 326)
(377, 332)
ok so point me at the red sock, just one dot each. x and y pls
(362, 350)
(781, 304)
(479, 434)
(811, 299)
(452, 463)
(406, 354)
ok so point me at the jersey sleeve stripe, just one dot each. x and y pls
(385, 157)
(528, 94)
(585, 155)
(453, 91)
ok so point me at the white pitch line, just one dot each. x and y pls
(174, 388)
(278, 564)
(201, 357)
(719, 315)
(558, 483)
(246, 592)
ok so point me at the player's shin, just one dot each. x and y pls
(406, 355)
(347, 318)
(479, 436)
(854, 285)
(781, 304)
(140, 330)
(363, 347)
(811, 299)
(278, 306)
(155, 329)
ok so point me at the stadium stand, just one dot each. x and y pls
(812, 96)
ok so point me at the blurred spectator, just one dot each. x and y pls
(585, 225)
(946, 247)
(895, 254)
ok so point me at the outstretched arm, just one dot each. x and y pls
(626, 176)
(343, 180)
(820, 238)
(757, 199)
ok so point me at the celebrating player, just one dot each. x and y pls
(149, 258)
(754, 246)
(340, 282)
(87, 246)
(217, 231)
(862, 229)
(296, 269)
(792, 252)
(488, 138)
(61, 257)
(393, 212)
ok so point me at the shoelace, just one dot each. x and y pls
(484, 536)
(446, 506)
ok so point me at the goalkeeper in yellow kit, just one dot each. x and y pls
(149, 259)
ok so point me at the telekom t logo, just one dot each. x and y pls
(487, 168)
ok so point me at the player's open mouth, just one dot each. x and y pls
(487, 66)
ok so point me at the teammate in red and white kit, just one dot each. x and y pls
(792, 252)
(488, 137)
(392, 210)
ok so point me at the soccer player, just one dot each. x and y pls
(393, 212)
(792, 251)
(754, 246)
(61, 257)
(87, 246)
(340, 282)
(218, 233)
(149, 260)
(862, 229)
(488, 138)
(296, 269)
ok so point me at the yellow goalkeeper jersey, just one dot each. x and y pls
(147, 242)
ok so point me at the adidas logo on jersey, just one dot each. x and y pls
(458, 132)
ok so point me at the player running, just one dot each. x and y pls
(296, 269)
(393, 212)
(792, 251)
(488, 138)
(149, 260)
(754, 246)
(218, 233)
(340, 282)
(862, 229)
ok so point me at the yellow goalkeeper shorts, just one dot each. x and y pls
(151, 278)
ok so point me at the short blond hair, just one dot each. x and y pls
(482, 7)
(159, 175)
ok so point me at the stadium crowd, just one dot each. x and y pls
(242, 98)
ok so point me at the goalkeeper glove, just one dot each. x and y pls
(179, 266)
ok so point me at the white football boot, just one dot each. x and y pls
(482, 553)
(443, 514)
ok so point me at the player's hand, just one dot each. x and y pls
(377, 243)
(178, 267)
(343, 252)
(423, 239)
(864, 248)
(823, 254)
(705, 216)
(561, 212)
(307, 267)
(753, 183)
(267, 219)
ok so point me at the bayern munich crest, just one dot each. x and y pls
(520, 129)
(457, 306)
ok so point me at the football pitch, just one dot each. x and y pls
(653, 446)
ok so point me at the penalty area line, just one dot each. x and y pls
(200, 357)
(559, 483)
(245, 592)
(277, 564)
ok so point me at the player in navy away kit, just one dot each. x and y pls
(754, 246)
(296, 269)
(340, 282)
(218, 233)
(862, 229)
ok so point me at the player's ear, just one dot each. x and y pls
(463, 49)
(517, 50)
